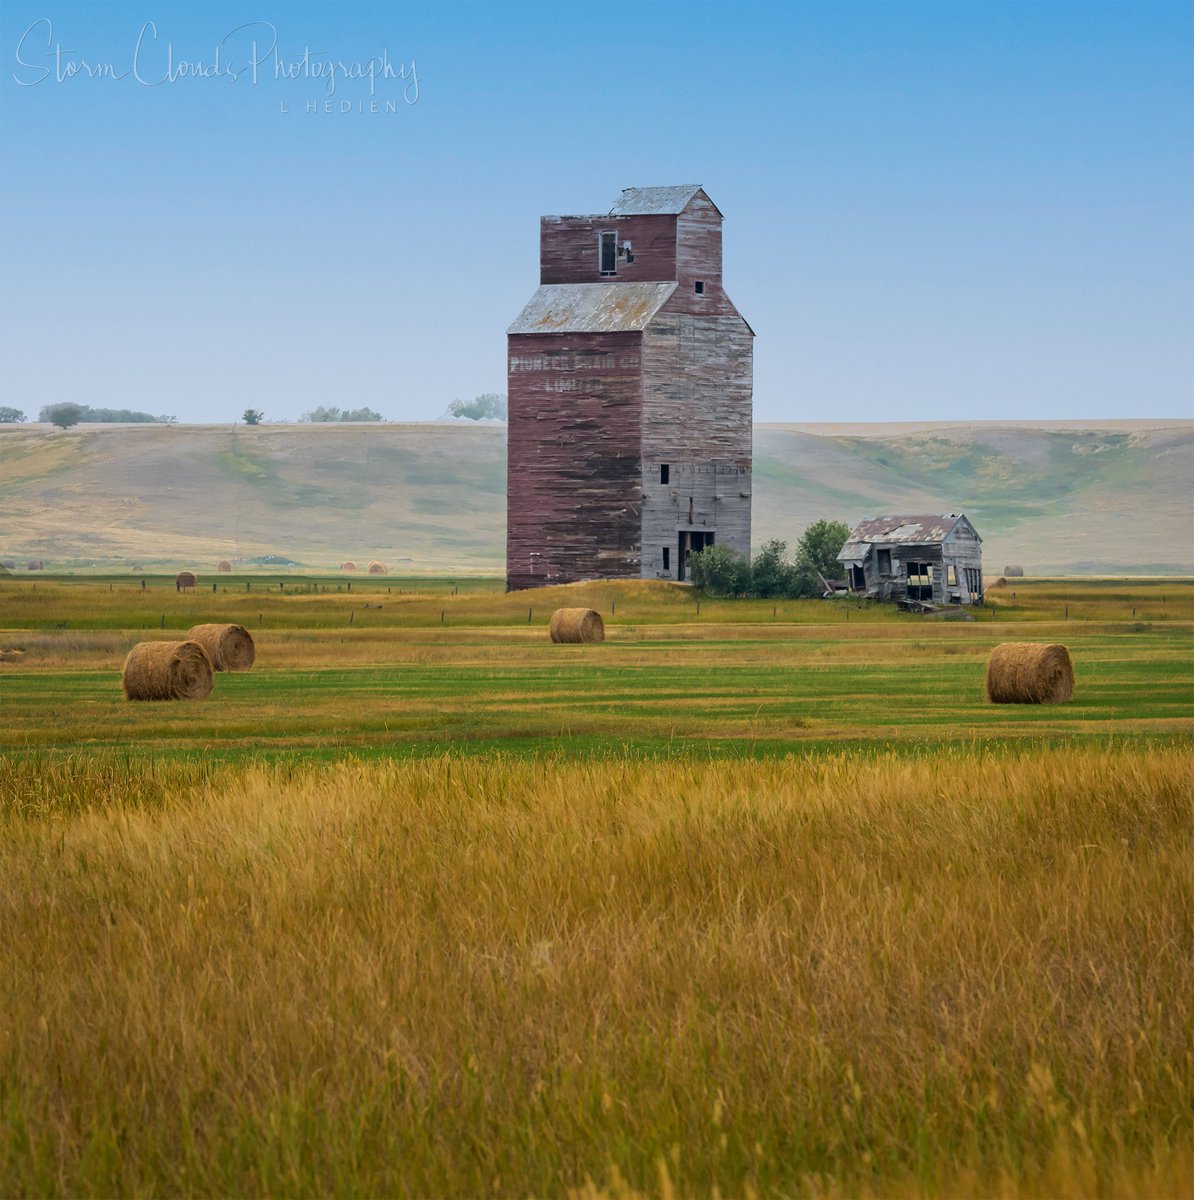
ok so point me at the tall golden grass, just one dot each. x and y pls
(970, 973)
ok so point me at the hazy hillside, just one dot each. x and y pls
(1099, 497)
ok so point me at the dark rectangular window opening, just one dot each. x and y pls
(883, 561)
(609, 253)
(700, 288)
(664, 472)
(667, 558)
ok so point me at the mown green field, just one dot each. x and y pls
(416, 667)
(756, 899)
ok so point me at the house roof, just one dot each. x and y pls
(641, 202)
(919, 530)
(592, 307)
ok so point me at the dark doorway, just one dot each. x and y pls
(920, 581)
(690, 540)
(858, 579)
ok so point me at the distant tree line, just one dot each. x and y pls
(719, 571)
(489, 406)
(67, 414)
(10, 416)
(335, 414)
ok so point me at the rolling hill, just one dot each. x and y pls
(1063, 497)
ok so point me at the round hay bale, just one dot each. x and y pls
(1030, 673)
(185, 579)
(138, 569)
(577, 625)
(35, 564)
(224, 565)
(1018, 572)
(8, 564)
(377, 568)
(348, 566)
(993, 585)
(167, 671)
(230, 647)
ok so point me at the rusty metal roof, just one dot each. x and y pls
(592, 307)
(642, 202)
(917, 530)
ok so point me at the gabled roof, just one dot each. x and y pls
(592, 307)
(920, 530)
(642, 202)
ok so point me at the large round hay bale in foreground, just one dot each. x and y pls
(167, 671)
(348, 566)
(577, 625)
(1030, 673)
(185, 579)
(224, 565)
(1018, 572)
(377, 568)
(230, 647)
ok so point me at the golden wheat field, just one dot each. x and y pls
(699, 910)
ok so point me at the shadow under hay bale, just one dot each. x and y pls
(1030, 673)
(377, 568)
(573, 625)
(230, 647)
(167, 671)
(185, 579)
(224, 565)
(348, 566)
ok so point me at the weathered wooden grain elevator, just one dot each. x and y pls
(630, 378)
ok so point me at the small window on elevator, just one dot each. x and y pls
(667, 558)
(700, 287)
(609, 253)
(665, 473)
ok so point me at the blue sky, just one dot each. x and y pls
(933, 211)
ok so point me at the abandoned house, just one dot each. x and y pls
(931, 559)
(630, 380)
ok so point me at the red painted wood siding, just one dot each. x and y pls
(573, 457)
(568, 249)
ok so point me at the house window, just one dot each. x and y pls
(609, 253)
(700, 287)
(664, 475)
(951, 575)
(667, 558)
(883, 561)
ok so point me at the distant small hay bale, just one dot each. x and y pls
(185, 579)
(1030, 673)
(1017, 572)
(8, 564)
(35, 564)
(993, 585)
(377, 568)
(224, 565)
(167, 671)
(138, 569)
(230, 647)
(348, 566)
(577, 625)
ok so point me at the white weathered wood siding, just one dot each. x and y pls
(697, 392)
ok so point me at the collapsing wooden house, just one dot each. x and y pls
(929, 559)
(630, 386)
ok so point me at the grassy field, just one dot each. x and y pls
(740, 901)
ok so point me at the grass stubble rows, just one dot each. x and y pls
(964, 972)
